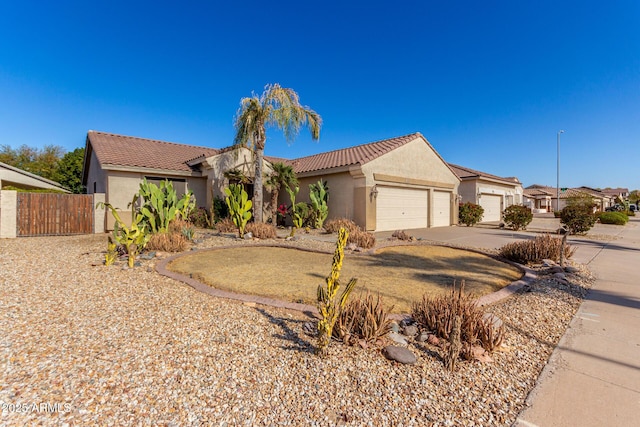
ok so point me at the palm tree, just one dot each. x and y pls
(277, 106)
(281, 175)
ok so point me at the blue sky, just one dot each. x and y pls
(488, 83)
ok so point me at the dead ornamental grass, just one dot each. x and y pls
(401, 275)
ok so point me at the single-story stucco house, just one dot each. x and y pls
(396, 183)
(493, 193)
(541, 198)
(11, 176)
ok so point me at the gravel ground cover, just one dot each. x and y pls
(83, 344)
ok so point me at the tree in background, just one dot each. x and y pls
(42, 162)
(69, 172)
(277, 106)
(634, 196)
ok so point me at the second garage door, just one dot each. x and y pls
(441, 209)
(492, 207)
(401, 208)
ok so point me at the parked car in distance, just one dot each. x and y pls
(615, 208)
(633, 208)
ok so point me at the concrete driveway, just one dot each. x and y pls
(593, 376)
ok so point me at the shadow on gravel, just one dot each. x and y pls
(289, 328)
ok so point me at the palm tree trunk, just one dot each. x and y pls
(257, 186)
(274, 207)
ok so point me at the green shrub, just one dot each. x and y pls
(200, 218)
(557, 214)
(578, 218)
(220, 209)
(517, 217)
(470, 214)
(534, 251)
(617, 218)
(629, 213)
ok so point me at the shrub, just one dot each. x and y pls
(557, 214)
(226, 225)
(319, 194)
(171, 241)
(470, 214)
(220, 209)
(517, 217)
(617, 218)
(437, 314)
(401, 235)
(533, 251)
(362, 319)
(363, 239)
(261, 230)
(578, 218)
(200, 218)
(335, 224)
(630, 213)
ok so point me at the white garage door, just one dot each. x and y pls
(491, 205)
(441, 209)
(401, 208)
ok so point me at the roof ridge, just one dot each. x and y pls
(357, 146)
(150, 139)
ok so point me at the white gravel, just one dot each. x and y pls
(83, 344)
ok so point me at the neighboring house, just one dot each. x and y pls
(11, 176)
(397, 183)
(545, 198)
(492, 192)
(613, 193)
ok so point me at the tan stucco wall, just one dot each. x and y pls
(341, 196)
(416, 160)
(8, 213)
(96, 175)
(241, 159)
(470, 189)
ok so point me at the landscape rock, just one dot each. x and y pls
(351, 247)
(148, 255)
(571, 270)
(480, 354)
(548, 263)
(399, 354)
(557, 269)
(424, 336)
(411, 330)
(397, 338)
(248, 236)
(394, 327)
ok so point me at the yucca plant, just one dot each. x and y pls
(239, 206)
(134, 237)
(329, 305)
(110, 256)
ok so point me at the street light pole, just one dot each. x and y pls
(558, 174)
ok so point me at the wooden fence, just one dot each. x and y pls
(47, 214)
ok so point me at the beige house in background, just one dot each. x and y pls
(492, 192)
(11, 176)
(397, 183)
(541, 198)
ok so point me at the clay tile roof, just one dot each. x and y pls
(120, 150)
(359, 154)
(464, 172)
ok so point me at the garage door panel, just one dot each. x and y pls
(441, 209)
(492, 206)
(401, 208)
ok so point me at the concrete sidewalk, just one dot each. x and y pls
(593, 376)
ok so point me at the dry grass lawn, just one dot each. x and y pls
(400, 274)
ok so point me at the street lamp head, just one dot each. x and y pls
(560, 131)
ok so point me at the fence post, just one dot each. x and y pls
(8, 213)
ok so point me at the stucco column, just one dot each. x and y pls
(8, 213)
